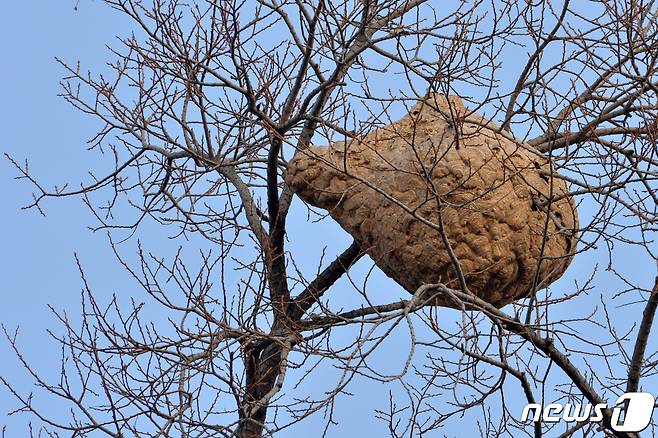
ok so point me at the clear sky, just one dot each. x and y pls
(37, 262)
(38, 266)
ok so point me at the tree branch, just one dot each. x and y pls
(635, 367)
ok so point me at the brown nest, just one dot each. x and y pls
(509, 224)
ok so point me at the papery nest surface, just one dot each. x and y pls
(507, 217)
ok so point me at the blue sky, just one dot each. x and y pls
(37, 265)
(37, 262)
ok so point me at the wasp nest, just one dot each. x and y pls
(507, 222)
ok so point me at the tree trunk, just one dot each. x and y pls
(262, 373)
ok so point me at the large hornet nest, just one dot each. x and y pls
(440, 167)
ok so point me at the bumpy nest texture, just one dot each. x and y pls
(502, 214)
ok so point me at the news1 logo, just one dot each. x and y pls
(636, 407)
